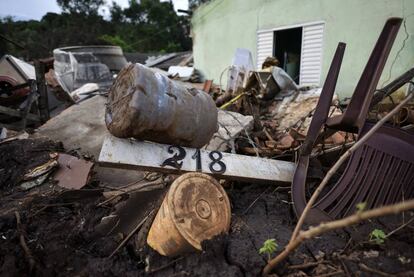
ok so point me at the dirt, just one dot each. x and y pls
(18, 156)
(60, 232)
(63, 232)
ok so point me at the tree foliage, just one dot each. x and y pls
(81, 6)
(144, 26)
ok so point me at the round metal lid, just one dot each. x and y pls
(200, 208)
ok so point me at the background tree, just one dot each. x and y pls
(145, 26)
(88, 7)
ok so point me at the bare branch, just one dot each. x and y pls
(337, 224)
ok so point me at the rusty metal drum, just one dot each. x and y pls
(196, 208)
(147, 105)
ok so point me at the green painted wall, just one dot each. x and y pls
(223, 25)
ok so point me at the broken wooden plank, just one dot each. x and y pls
(13, 112)
(132, 154)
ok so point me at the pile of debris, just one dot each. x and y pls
(212, 169)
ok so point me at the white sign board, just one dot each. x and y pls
(128, 153)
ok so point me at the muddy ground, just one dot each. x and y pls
(60, 233)
(60, 230)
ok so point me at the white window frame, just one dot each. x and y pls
(299, 25)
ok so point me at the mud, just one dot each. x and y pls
(19, 156)
(61, 235)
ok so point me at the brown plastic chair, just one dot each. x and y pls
(354, 116)
(382, 170)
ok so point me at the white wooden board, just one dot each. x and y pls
(128, 153)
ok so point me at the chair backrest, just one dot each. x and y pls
(318, 120)
(355, 114)
(380, 172)
(325, 101)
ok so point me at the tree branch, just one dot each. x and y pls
(336, 224)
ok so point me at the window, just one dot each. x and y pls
(287, 47)
(298, 48)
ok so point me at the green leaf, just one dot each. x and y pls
(378, 236)
(269, 246)
(361, 206)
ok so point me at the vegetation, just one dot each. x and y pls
(361, 207)
(269, 247)
(143, 26)
(377, 236)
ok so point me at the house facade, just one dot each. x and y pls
(303, 35)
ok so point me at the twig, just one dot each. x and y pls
(258, 197)
(336, 224)
(44, 207)
(373, 270)
(332, 149)
(130, 234)
(23, 243)
(110, 199)
(269, 137)
(346, 270)
(305, 265)
(122, 187)
(330, 274)
(399, 228)
(164, 266)
(136, 187)
(342, 159)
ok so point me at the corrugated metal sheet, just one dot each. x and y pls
(264, 46)
(311, 56)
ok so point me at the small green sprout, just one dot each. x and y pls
(361, 207)
(269, 246)
(378, 236)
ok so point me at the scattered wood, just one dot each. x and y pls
(305, 265)
(258, 197)
(130, 234)
(400, 227)
(373, 270)
(330, 274)
(135, 187)
(164, 266)
(26, 249)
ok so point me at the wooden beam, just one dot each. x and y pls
(13, 112)
(132, 154)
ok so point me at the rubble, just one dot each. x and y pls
(231, 125)
(80, 126)
(183, 73)
(90, 203)
(75, 69)
(25, 158)
(86, 91)
(165, 61)
(73, 173)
